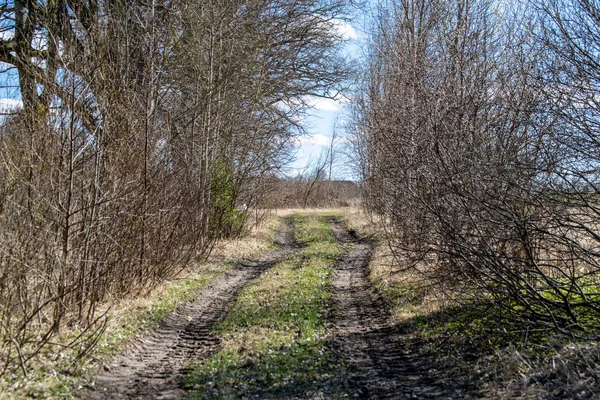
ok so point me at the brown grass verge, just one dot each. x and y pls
(57, 374)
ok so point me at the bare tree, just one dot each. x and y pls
(143, 127)
(470, 132)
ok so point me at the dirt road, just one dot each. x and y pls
(382, 362)
(154, 364)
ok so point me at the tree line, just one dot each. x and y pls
(476, 133)
(145, 125)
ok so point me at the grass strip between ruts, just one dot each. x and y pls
(274, 336)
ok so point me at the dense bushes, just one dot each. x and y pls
(140, 127)
(477, 133)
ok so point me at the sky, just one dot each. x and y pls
(325, 116)
(319, 123)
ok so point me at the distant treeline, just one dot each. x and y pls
(311, 193)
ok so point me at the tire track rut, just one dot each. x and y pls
(154, 364)
(384, 364)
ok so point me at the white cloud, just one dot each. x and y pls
(7, 34)
(324, 104)
(10, 105)
(39, 62)
(283, 106)
(319, 140)
(320, 103)
(344, 29)
(4, 66)
(314, 140)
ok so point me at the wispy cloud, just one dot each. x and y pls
(319, 140)
(320, 103)
(344, 29)
(325, 104)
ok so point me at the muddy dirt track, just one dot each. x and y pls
(153, 365)
(382, 362)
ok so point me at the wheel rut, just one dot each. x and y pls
(154, 364)
(383, 363)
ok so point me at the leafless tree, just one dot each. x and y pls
(474, 133)
(143, 128)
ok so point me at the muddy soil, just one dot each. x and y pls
(153, 365)
(384, 363)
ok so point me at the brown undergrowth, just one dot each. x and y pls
(473, 345)
(60, 372)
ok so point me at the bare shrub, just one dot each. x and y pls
(470, 133)
(143, 127)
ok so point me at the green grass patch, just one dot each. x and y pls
(313, 230)
(274, 336)
(57, 372)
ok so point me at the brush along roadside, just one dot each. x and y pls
(60, 372)
(503, 357)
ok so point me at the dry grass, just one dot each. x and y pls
(357, 219)
(284, 212)
(261, 238)
(56, 374)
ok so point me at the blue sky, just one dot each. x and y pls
(325, 116)
(319, 123)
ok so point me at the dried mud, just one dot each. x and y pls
(153, 365)
(383, 362)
